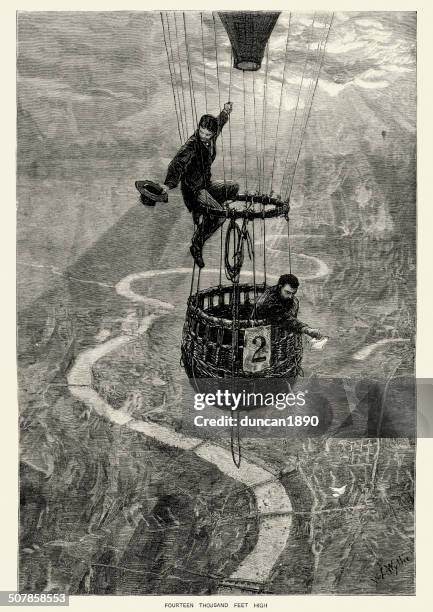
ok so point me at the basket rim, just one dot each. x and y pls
(281, 208)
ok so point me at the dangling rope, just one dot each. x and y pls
(172, 80)
(308, 100)
(191, 81)
(311, 104)
(245, 135)
(263, 139)
(241, 235)
(264, 246)
(255, 132)
(204, 60)
(297, 102)
(180, 70)
(236, 460)
(230, 125)
(181, 112)
(281, 100)
(219, 92)
(221, 256)
(288, 242)
(254, 272)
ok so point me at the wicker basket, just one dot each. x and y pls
(207, 340)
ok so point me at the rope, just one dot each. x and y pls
(221, 255)
(245, 135)
(297, 102)
(171, 78)
(263, 139)
(288, 241)
(256, 130)
(241, 236)
(254, 272)
(264, 248)
(180, 70)
(184, 129)
(236, 460)
(219, 92)
(281, 100)
(204, 61)
(311, 104)
(230, 125)
(308, 101)
(191, 81)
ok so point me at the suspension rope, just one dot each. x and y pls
(182, 112)
(288, 241)
(172, 81)
(263, 136)
(204, 60)
(308, 100)
(311, 104)
(254, 271)
(230, 125)
(180, 70)
(297, 102)
(191, 81)
(281, 100)
(221, 256)
(264, 246)
(219, 92)
(245, 135)
(255, 131)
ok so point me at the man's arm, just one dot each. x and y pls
(224, 115)
(176, 167)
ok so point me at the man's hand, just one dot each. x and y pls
(313, 332)
(228, 107)
(165, 188)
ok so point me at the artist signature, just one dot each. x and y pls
(390, 568)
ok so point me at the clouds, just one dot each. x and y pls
(103, 71)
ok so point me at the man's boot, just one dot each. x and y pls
(195, 251)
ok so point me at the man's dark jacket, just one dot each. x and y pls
(271, 306)
(192, 164)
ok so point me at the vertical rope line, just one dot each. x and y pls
(219, 91)
(255, 131)
(308, 100)
(184, 129)
(204, 60)
(311, 105)
(281, 100)
(254, 272)
(192, 280)
(297, 103)
(288, 240)
(221, 255)
(245, 135)
(191, 80)
(230, 125)
(171, 78)
(198, 280)
(264, 246)
(263, 143)
(180, 70)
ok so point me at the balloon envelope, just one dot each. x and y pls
(248, 33)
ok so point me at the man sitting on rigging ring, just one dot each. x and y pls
(279, 305)
(191, 166)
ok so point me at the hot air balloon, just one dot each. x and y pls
(248, 33)
(223, 338)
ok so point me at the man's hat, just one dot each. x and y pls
(150, 192)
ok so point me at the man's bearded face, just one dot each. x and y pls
(287, 292)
